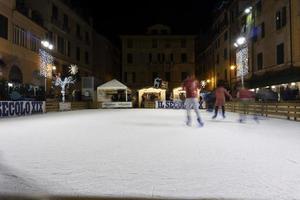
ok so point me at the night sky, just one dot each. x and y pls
(112, 18)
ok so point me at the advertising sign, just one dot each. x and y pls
(21, 108)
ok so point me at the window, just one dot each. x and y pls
(125, 77)
(163, 57)
(183, 76)
(183, 58)
(168, 76)
(34, 43)
(225, 54)
(78, 54)
(259, 61)
(154, 43)
(278, 20)
(150, 57)
(3, 26)
(49, 36)
(262, 26)
(87, 37)
(129, 43)
(183, 43)
(78, 31)
(281, 18)
(172, 57)
(258, 8)
(69, 49)
(225, 74)
(158, 57)
(129, 58)
(61, 45)
(20, 36)
(280, 54)
(87, 60)
(133, 77)
(54, 12)
(218, 59)
(225, 36)
(66, 22)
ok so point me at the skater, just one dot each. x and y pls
(220, 100)
(245, 97)
(191, 86)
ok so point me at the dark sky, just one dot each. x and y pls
(115, 17)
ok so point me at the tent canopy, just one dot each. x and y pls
(112, 85)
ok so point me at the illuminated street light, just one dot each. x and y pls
(240, 41)
(208, 80)
(53, 67)
(248, 10)
(47, 44)
(50, 46)
(232, 67)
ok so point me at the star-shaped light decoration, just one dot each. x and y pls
(73, 69)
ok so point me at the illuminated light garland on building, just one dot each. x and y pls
(46, 63)
(242, 62)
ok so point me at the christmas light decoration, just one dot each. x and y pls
(73, 69)
(46, 62)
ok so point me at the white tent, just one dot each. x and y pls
(112, 85)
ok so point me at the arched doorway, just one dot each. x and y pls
(15, 75)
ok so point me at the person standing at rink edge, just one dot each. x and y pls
(220, 100)
(190, 85)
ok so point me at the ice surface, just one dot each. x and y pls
(149, 153)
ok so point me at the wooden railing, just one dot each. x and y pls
(53, 106)
(284, 110)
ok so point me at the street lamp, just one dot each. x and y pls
(232, 68)
(47, 45)
(248, 10)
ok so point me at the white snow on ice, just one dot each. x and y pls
(149, 153)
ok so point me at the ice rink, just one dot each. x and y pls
(149, 153)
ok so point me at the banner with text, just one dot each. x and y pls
(169, 104)
(21, 108)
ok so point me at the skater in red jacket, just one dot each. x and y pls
(246, 97)
(220, 93)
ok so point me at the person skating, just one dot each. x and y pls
(245, 97)
(191, 86)
(220, 100)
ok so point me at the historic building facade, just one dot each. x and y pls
(158, 53)
(270, 53)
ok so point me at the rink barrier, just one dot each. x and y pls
(53, 106)
(43, 197)
(282, 110)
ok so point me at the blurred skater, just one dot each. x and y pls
(220, 100)
(191, 86)
(245, 97)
